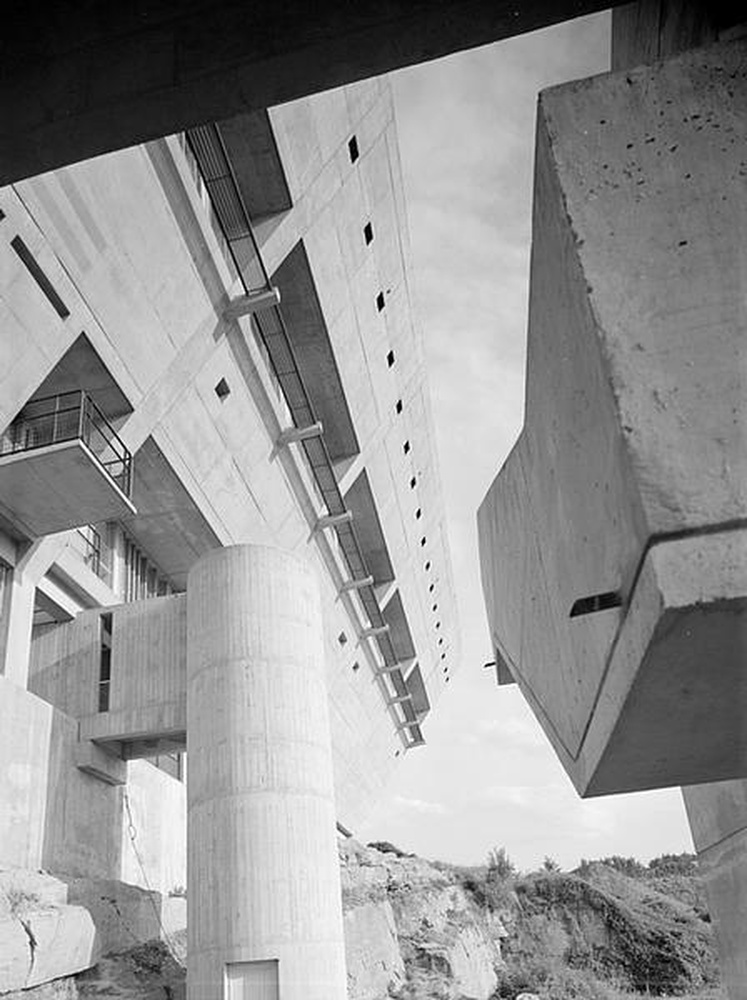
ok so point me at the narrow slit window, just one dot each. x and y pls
(353, 149)
(413, 483)
(398, 406)
(34, 268)
(368, 233)
(222, 390)
(418, 514)
(406, 447)
(380, 303)
(390, 358)
(596, 602)
(105, 662)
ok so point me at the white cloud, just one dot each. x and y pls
(420, 806)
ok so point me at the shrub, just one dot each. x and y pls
(387, 848)
(500, 866)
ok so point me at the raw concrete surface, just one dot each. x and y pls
(635, 421)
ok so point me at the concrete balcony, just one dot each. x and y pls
(62, 465)
(613, 542)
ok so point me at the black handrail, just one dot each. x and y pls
(70, 416)
(206, 146)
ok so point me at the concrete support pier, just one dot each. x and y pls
(264, 909)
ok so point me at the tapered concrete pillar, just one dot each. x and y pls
(264, 915)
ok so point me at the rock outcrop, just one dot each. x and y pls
(42, 938)
(413, 931)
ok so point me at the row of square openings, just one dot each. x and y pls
(368, 233)
(354, 153)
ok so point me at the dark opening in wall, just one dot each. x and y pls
(380, 303)
(222, 391)
(390, 358)
(418, 514)
(356, 667)
(427, 566)
(398, 406)
(596, 602)
(353, 149)
(368, 233)
(33, 267)
(406, 447)
(422, 541)
(105, 662)
(342, 638)
(413, 483)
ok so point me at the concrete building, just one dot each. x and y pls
(621, 509)
(221, 526)
(623, 502)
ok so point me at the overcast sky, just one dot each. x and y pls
(487, 776)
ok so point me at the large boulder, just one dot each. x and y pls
(42, 938)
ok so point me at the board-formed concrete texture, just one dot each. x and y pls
(134, 280)
(80, 81)
(620, 513)
(263, 873)
(718, 821)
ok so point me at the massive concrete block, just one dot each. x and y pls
(613, 548)
(718, 822)
(264, 906)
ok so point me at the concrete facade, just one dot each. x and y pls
(140, 322)
(83, 82)
(261, 809)
(625, 496)
(622, 504)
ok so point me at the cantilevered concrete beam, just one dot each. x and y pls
(365, 581)
(247, 305)
(84, 79)
(294, 434)
(374, 631)
(332, 520)
(622, 506)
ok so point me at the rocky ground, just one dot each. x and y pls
(426, 931)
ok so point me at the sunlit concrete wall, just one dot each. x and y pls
(129, 246)
(56, 817)
(620, 511)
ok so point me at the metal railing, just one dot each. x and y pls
(206, 151)
(70, 416)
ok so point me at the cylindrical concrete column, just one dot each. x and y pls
(264, 910)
